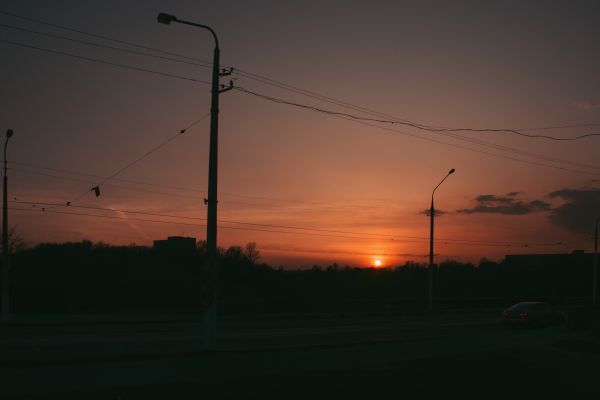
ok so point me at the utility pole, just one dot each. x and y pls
(210, 312)
(595, 276)
(5, 247)
(430, 272)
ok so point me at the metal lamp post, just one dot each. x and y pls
(5, 249)
(595, 276)
(210, 313)
(432, 215)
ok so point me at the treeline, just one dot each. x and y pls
(96, 278)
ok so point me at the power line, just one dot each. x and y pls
(448, 134)
(250, 229)
(52, 211)
(516, 132)
(327, 99)
(90, 59)
(96, 188)
(470, 149)
(270, 81)
(176, 189)
(444, 131)
(518, 151)
(65, 171)
(106, 184)
(360, 121)
(341, 115)
(172, 194)
(154, 149)
(410, 124)
(198, 199)
(198, 64)
(386, 236)
(289, 227)
(455, 129)
(103, 37)
(154, 214)
(441, 130)
(193, 224)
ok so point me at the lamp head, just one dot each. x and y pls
(451, 171)
(9, 133)
(166, 18)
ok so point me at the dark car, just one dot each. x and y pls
(532, 314)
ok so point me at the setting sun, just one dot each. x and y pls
(377, 263)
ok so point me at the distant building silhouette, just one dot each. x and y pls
(175, 244)
(558, 278)
(575, 259)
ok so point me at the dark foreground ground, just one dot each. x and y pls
(454, 355)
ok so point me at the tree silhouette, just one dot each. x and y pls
(251, 253)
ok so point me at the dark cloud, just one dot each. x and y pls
(490, 198)
(492, 204)
(539, 205)
(579, 211)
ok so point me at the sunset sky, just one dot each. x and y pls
(308, 187)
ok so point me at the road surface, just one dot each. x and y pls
(334, 356)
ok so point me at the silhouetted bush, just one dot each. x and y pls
(97, 278)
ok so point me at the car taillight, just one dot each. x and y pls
(523, 314)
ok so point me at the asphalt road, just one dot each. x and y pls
(356, 356)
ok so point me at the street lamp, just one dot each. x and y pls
(432, 215)
(595, 278)
(210, 313)
(5, 258)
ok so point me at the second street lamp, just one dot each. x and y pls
(210, 313)
(432, 215)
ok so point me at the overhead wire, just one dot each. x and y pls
(178, 193)
(237, 228)
(327, 99)
(92, 183)
(271, 81)
(79, 173)
(361, 121)
(397, 122)
(111, 63)
(416, 125)
(97, 36)
(518, 151)
(448, 131)
(96, 188)
(265, 97)
(439, 132)
(119, 49)
(380, 236)
(175, 192)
